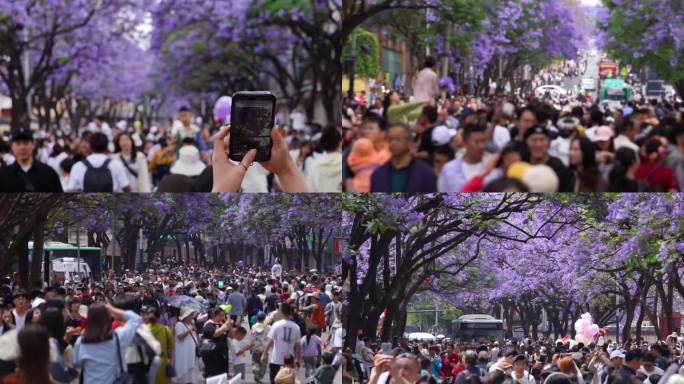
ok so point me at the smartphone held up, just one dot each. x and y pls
(252, 118)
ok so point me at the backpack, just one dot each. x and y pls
(144, 368)
(98, 179)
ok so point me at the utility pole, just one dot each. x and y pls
(113, 239)
(140, 252)
(78, 252)
(617, 313)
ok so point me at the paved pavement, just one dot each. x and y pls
(591, 71)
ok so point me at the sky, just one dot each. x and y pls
(591, 2)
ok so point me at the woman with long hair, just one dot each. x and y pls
(134, 161)
(53, 321)
(34, 357)
(100, 351)
(587, 177)
(311, 350)
(622, 175)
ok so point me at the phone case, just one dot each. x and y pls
(240, 144)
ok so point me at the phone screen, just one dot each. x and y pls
(251, 122)
(220, 284)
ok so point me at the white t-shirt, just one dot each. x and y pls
(525, 379)
(105, 129)
(256, 180)
(185, 132)
(656, 371)
(285, 335)
(472, 170)
(237, 345)
(119, 174)
(19, 320)
(54, 162)
(338, 337)
(501, 136)
(337, 319)
(312, 347)
(560, 148)
(277, 270)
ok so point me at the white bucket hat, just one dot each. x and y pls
(188, 162)
(185, 311)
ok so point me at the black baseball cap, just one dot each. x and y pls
(20, 293)
(537, 130)
(22, 133)
(519, 358)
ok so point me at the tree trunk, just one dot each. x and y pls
(400, 324)
(19, 110)
(629, 318)
(20, 250)
(38, 241)
(187, 250)
(640, 320)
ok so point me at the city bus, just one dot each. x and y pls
(477, 328)
(64, 263)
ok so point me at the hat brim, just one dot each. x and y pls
(190, 170)
(22, 137)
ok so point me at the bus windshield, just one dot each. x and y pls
(480, 335)
(478, 329)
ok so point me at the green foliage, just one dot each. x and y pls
(367, 53)
(625, 44)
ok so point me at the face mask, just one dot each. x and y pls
(564, 133)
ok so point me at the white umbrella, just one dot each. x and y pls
(421, 336)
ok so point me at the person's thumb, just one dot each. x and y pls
(219, 143)
(249, 159)
(277, 137)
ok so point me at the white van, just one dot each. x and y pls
(68, 269)
(589, 84)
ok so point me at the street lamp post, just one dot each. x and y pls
(78, 252)
(471, 80)
(352, 66)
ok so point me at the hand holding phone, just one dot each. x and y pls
(228, 176)
(252, 118)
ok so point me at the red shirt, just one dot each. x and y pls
(457, 369)
(661, 176)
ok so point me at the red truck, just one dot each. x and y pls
(607, 67)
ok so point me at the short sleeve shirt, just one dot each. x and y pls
(285, 335)
(119, 175)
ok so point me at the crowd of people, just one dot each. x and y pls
(175, 324)
(563, 361)
(181, 157)
(431, 143)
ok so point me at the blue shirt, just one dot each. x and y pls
(99, 360)
(436, 366)
(323, 298)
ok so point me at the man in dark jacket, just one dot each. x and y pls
(403, 173)
(627, 372)
(27, 174)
